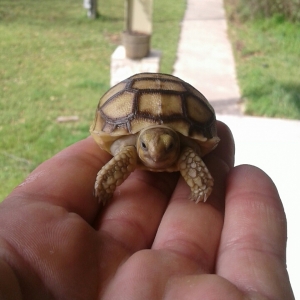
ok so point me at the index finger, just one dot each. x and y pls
(193, 231)
(66, 180)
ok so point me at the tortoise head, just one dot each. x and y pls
(158, 147)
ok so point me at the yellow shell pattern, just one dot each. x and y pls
(149, 99)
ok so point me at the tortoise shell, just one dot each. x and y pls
(150, 99)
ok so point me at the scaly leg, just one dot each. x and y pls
(114, 173)
(196, 175)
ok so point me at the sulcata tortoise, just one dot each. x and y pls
(154, 122)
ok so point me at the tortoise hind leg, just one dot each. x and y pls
(196, 175)
(114, 173)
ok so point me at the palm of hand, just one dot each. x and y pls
(150, 244)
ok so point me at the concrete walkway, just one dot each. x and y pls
(205, 60)
(204, 55)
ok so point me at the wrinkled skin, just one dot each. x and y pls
(149, 242)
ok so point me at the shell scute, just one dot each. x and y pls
(158, 84)
(119, 107)
(159, 105)
(147, 99)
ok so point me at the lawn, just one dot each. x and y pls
(267, 58)
(54, 62)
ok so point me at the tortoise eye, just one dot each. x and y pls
(143, 145)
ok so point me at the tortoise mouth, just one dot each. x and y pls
(159, 164)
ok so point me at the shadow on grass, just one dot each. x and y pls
(293, 92)
(289, 101)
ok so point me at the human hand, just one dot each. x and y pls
(150, 242)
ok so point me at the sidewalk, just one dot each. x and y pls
(205, 60)
(204, 55)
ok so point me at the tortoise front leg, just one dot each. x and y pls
(114, 173)
(196, 175)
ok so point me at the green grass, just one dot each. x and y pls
(54, 61)
(267, 57)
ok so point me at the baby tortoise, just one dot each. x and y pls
(155, 122)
